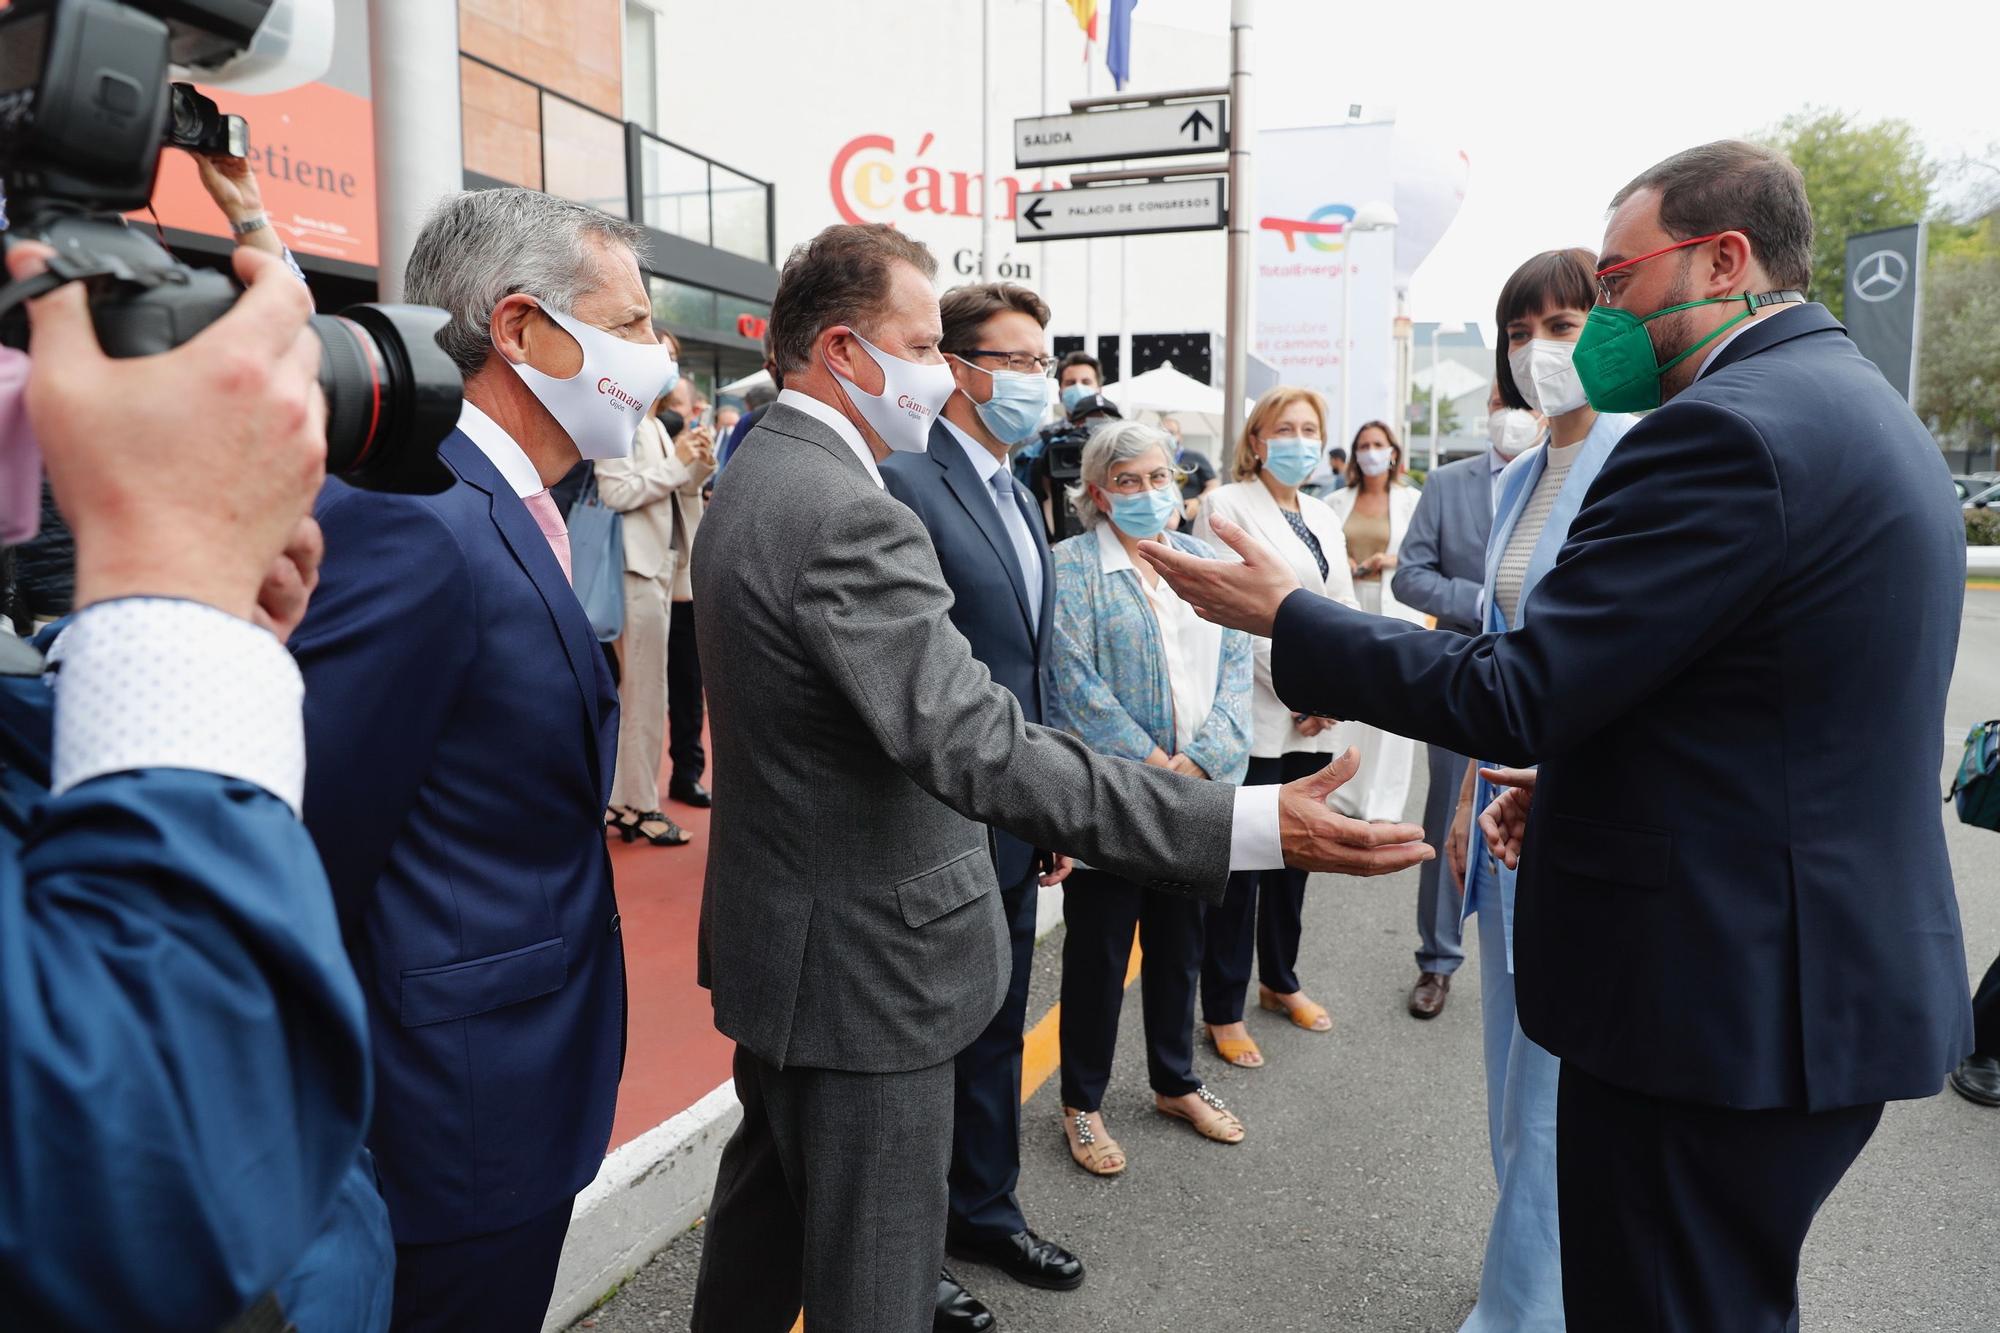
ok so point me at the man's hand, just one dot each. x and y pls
(233, 186)
(1505, 821)
(1054, 868)
(198, 507)
(1180, 763)
(1310, 726)
(1314, 837)
(289, 584)
(1243, 596)
(1456, 842)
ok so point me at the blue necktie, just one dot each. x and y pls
(1016, 523)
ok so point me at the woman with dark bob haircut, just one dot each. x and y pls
(1541, 313)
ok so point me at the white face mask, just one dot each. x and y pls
(1372, 462)
(1545, 377)
(912, 395)
(1511, 430)
(602, 405)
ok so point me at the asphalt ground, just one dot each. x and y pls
(1361, 1195)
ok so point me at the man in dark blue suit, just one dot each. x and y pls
(990, 545)
(1734, 682)
(462, 728)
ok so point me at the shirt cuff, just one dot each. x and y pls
(1254, 843)
(147, 682)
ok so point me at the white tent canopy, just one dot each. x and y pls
(762, 379)
(1165, 390)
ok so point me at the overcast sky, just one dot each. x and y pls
(1559, 102)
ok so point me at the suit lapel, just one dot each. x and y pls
(531, 550)
(1768, 332)
(978, 502)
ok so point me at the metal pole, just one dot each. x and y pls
(1917, 307)
(986, 190)
(1089, 255)
(1125, 367)
(409, 48)
(1434, 395)
(1242, 127)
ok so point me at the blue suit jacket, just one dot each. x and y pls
(990, 606)
(461, 728)
(1444, 550)
(1734, 679)
(183, 1060)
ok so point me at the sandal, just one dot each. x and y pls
(1214, 1121)
(1239, 1051)
(1303, 1012)
(633, 829)
(1098, 1154)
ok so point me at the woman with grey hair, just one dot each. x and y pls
(1135, 672)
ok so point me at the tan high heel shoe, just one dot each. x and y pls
(1210, 1118)
(1303, 1012)
(1089, 1145)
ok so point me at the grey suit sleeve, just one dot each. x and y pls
(1420, 580)
(871, 606)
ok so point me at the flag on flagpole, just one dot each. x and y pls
(1086, 17)
(1118, 46)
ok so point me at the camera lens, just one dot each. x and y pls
(392, 396)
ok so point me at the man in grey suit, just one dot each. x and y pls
(851, 936)
(1441, 572)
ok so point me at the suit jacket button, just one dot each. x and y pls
(614, 923)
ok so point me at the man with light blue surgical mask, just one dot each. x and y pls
(988, 534)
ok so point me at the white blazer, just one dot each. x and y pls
(1403, 499)
(1250, 507)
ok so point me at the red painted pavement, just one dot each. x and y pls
(673, 1056)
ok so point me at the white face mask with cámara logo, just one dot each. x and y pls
(912, 395)
(602, 405)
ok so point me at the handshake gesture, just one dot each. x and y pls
(1317, 837)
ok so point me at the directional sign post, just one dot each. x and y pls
(1173, 130)
(1195, 204)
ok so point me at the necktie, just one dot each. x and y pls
(1016, 523)
(550, 520)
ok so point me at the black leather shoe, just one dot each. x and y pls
(689, 793)
(958, 1310)
(1023, 1256)
(1978, 1080)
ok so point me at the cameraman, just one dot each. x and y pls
(184, 1073)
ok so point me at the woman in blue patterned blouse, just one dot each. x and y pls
(1135, 672)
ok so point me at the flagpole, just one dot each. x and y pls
(986, 191)
(1236, 351)
(1089, 246)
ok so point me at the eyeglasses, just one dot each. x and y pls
(1131, 483)
(1611, 277)
(1018, 362)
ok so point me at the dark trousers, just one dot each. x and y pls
(685, 710)
(1440, 929)
(1099, 912)
(1986, 1014)
(1263, 909)
(498, 1283)
(831, 1195)
(1679, 1218)
(986, 1093)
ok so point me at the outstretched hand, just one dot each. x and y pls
(1316, 837)
(1235, 595)
(1505, 821)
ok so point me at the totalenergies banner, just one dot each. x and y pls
(1310, 183)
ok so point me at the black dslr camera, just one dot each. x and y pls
(85, 107)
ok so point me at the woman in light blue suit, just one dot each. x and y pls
(1134, 671)
(1541, 314)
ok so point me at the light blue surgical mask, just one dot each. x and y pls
(1292, 459)
(1075, 394)
(1145, 515)
(1018, 404)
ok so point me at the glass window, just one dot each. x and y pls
(729, 309)
(583, 155)
(681, 303)
(742, 208)
(675, 186)
(642, 53)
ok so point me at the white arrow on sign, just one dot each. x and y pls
(1191, 204)
(1173, 130)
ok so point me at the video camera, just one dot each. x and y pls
(86, 106)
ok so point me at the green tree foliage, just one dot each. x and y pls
(1958, 369)
(1859, 177)
(1420, 411)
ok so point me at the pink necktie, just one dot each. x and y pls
(550, 520)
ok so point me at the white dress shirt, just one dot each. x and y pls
(840, 425)
(1012, 517)
(1194, 662)
(152, 682)
(500, 450)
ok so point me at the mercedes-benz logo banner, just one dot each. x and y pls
(1882, 307)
